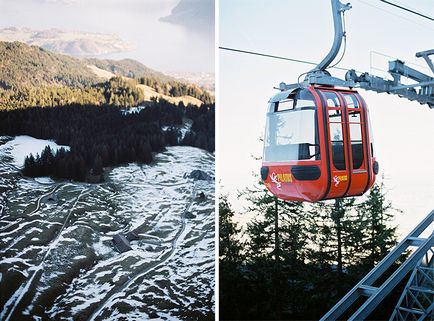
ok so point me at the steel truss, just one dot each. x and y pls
(375, 295)
(417, 299)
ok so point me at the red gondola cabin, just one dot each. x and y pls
(318, 145)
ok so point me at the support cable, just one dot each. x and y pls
(408, 10)
(276, 57)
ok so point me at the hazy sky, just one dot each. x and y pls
(403, 130)
(159, 45)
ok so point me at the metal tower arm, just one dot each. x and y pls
(422, 90)
(338, 10)
(425, 55)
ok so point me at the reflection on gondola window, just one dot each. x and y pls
(291, 133)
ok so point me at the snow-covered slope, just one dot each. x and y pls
(58, 261)
(22, 146)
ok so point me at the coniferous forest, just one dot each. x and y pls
(294, 261)
(31, 76)
(100, 136)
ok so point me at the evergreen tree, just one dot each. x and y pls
(380, 234)
(233, 282)
(297, 261)
(229, 244)
(97, 165)
(337, 234)
(275, 251)
(29, 165)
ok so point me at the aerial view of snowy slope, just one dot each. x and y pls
(140, 245)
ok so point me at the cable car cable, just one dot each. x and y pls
(276, 57)
(395, 15)
(408, 10)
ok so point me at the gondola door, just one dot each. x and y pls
(340, 177)
(359, 153)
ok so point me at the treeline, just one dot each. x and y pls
(127, 67)
(295, 261)
(115, 92)
(177, 89)
(31, 76)
(99, 136)
(118, 91)
(202, 133)
(31, 66)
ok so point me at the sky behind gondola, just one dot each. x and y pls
(403, 130)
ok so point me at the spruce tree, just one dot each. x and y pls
(275, 249)
(229, 234)
(232, 295)
(380, 234)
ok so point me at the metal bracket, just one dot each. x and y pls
(324, 78)
(425, 55)
(338, 10)
(397, 68)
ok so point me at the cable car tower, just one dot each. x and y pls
(422, 90)
(330, 155)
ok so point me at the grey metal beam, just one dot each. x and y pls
(368, 290)
(425, 95)
(417, 299)
(425, 55)
(399, 67)
(375, 273)
(366, 309)
(421, 84)
(416, 241)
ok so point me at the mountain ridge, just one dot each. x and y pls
(74, 43)
(33, 75)
(30, 65)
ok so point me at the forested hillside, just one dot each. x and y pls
(31, 76)
(128, 68)
(31, 66)
(117, 91)
(101, 136)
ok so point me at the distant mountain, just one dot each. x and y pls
(194, 14)
(23, 65)
(32, 76)
(127, 67)
(73, 43)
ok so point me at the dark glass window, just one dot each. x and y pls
(371, 137)
(356, 145)
(337, 141)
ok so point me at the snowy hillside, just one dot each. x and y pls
(57, 256)
(21, 146)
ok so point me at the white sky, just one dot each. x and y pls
(159, 45)
(403, 130)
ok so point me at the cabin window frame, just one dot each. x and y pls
(313, 152)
